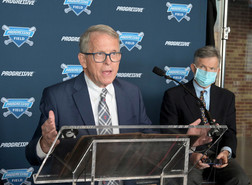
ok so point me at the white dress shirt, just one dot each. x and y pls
(94, 93)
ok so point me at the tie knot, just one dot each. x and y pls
(202, 92)
(104, 92)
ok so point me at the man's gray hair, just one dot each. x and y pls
(206, 52)
(85, 37)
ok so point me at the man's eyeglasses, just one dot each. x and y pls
(100, 57)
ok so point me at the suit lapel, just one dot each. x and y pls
(214, 99)
(191, 102)
(123, 112)
(82, 101)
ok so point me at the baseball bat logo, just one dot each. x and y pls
(17, 176)
(130, 39)
(177, 73)
(71, 71)
(17, 106)
(78, 6)
(18, 35)
(179, 11)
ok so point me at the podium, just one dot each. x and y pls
(141, 154)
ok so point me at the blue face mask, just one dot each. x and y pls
(204, 78)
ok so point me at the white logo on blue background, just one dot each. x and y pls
(178, 73)
(78, 6)
(18, 35)
(71, 71)
(130, 39)
(17, 107)
(179, 11)
(17, 176)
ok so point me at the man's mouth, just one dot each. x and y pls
(107, 72)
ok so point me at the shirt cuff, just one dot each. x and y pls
(228, 149)
(39, 150)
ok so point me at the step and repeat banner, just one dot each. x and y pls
(39, 47)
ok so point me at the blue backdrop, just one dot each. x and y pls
(39, 47)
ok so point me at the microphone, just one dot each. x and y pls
(213, 131)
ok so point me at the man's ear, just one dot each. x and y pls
(193, 68)
(82, 60)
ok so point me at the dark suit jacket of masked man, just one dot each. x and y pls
(181, 108)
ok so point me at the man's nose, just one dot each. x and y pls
(107, 59)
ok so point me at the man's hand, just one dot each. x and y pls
(223, 156)
(49, 133)
(202, 132)
(196, 158)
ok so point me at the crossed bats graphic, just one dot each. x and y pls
(172, 16)
(63, 66)
(183, 80)
(69, 9)
(3, 171)
(6, 42)
(28, 113)
(141, 34)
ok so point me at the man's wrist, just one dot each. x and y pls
(227, 153)
(39, 150)
(229, 150)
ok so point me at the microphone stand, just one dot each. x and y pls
(213, 131)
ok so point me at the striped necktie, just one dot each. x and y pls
(203, 115)
(104, 118)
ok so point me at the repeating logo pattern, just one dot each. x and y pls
(179, 11)
(130, 39)
(18, 35)
(78, 6)
(17, 176)
(17, 107)
(178, 73)
(71, 71)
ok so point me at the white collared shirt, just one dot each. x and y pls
(94, 93)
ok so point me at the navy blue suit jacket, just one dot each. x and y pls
(71, 105)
